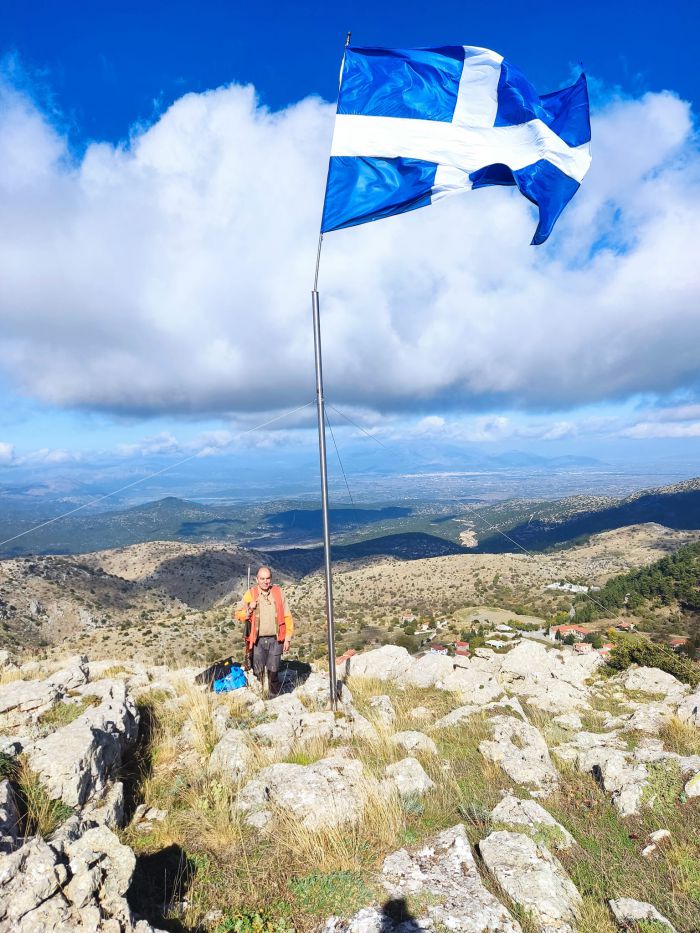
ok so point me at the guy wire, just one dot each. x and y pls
(144, 479)
(470, 508)
(342, 468)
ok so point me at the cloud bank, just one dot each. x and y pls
(172, 274)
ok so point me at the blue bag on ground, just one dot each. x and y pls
(232, 681)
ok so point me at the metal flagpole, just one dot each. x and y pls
(320, 408)
(321, 411)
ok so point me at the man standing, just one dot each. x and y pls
(271, 627)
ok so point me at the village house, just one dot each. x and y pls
(583, 647)
(462, 648)
(578, 631)
(606, 648)
(435, 648)
(567, 587)
(677, 642)
(625, 626)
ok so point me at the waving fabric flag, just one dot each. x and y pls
(414, 125)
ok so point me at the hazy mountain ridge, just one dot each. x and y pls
(286, 523)
(677, 507)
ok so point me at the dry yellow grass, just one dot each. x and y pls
(227, 857)
(680, 737)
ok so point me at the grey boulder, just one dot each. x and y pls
(533, 878)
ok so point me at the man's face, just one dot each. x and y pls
(264, 580)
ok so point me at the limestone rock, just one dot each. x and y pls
(74, 674)
(653, 680)
(586, 741)
(472, 686)
(353, 725)
(551, 681)
(409, 777)
(415, 742)
(98, 847)
(618, 773)
(390, 662)
(649, 717)
(457, 717)
(522, 752)
(73, 883)
(569, 721)
(220, 718)
(420, 712)
(430, 669)
(689, 709)
(463, 713)
(533, 878)
(533, 819)
(528, 659)
(28, 876)
(316, 690)
(692, 788)
(76, 762)
(295, 725)
(287, 704)
(575, 669)
(626, 910)
(231, 755)
(22, 696)
(279, 734)
(551, 696)
(383, 708)
(9, 818)
(329, 792)
(443, 874)
(108, 809)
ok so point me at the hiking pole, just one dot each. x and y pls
(247, 653)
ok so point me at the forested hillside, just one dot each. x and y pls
(673, 581)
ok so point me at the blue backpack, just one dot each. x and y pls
(234, 680)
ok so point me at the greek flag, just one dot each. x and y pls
(414, 125)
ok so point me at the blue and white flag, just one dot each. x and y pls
(414, 125)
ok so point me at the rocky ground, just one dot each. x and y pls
(527, 791)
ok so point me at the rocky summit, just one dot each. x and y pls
(533, 790)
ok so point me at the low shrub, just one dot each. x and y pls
(634, 650)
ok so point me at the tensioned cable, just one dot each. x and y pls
(342, 468)
(469, 507)
(144, 479)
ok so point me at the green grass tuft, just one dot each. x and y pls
(338, 893)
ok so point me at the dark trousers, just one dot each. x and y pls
(267, 654)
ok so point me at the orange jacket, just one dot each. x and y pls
(285, 623)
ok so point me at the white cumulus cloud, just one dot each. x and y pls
(172, 274)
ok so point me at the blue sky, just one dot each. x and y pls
(160, 239)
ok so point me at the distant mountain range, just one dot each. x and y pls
(419, 529)
(676, 506)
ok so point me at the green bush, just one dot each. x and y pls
(633, 650)
(407, 642)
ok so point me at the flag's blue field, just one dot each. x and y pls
(415, 125)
